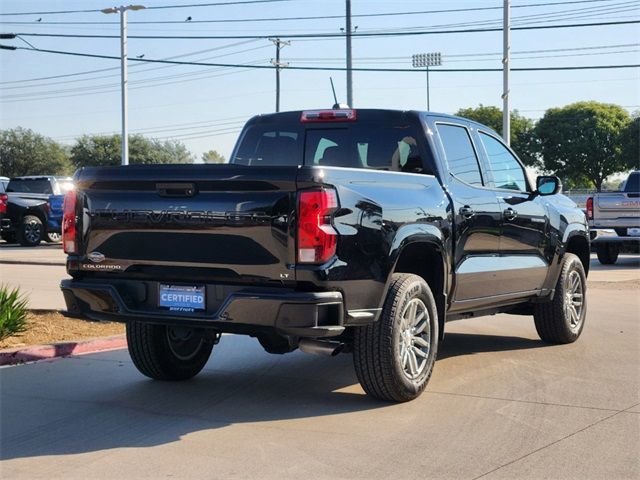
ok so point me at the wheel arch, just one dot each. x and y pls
(424, 255)
(579, 245)
(35, 213)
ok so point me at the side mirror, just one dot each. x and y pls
(548, 185)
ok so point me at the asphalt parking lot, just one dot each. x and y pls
(501, 404)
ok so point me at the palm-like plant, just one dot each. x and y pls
(13, 312)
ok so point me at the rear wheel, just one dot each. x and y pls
(31, 231)
(607, 253)
(167, 353)
(394, 357)
(562, 319)
(53, 237)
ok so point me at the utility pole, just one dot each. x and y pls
(122, 10)
(349, 57)
(506, 57)
(278, 64)
(426, 60)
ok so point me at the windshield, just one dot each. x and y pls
(30, 185)
(358, 145)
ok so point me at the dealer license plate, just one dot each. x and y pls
(182, 298)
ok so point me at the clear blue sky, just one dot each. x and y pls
(205, 106)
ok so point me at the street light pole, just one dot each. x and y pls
(124, 142)
(426, 60)
(506, 108)
(122, 10)
(349, 56)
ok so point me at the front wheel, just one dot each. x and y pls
(394, 357)
(167, 353)
(53, 237)
(562, 319)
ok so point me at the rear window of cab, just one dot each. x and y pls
(352, 145)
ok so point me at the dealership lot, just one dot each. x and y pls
(501, 404)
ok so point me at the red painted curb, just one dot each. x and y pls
(43, 352)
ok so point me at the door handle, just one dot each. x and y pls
(467, 211)
(510, 214)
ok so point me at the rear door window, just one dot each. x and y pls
(460, 154)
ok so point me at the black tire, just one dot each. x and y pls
(556, 321)
(31, 231)
(607, 253)
(157, 356)
(382, 351)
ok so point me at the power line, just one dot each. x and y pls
(193, 5)
(64, 82)
(339, 69)
(88, 72)
(329, 35)
(321, 17)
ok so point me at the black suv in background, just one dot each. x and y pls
(360, 231)
(31, 209)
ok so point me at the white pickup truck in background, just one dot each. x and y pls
(617, 211)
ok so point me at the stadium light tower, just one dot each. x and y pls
(122, 10)
(426, 60)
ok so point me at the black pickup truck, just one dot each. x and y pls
(360, 231)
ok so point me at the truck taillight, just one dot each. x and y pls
(3, 203)
(69, 223)
(590, 208)
(317, 239)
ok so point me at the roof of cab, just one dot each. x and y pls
(368, 111)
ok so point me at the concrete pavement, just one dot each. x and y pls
(501, 404)
(40, 283)
(44, 254)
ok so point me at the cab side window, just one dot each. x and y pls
(460, 154)
(506, 170)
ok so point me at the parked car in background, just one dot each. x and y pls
(328, 231)
(614, 219)
(33, 209)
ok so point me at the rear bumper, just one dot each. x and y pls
(229, 308)
(602, 236)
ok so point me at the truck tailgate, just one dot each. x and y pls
(224, 222)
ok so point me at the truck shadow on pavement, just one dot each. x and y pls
(100, 402)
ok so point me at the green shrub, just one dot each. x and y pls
(13, 312)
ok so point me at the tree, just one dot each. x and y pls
(584, 139)
(212, 156)
(24, 152)
(104, 150)
(523, 139)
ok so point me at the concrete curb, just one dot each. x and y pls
(63, 349)
(33, 262)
